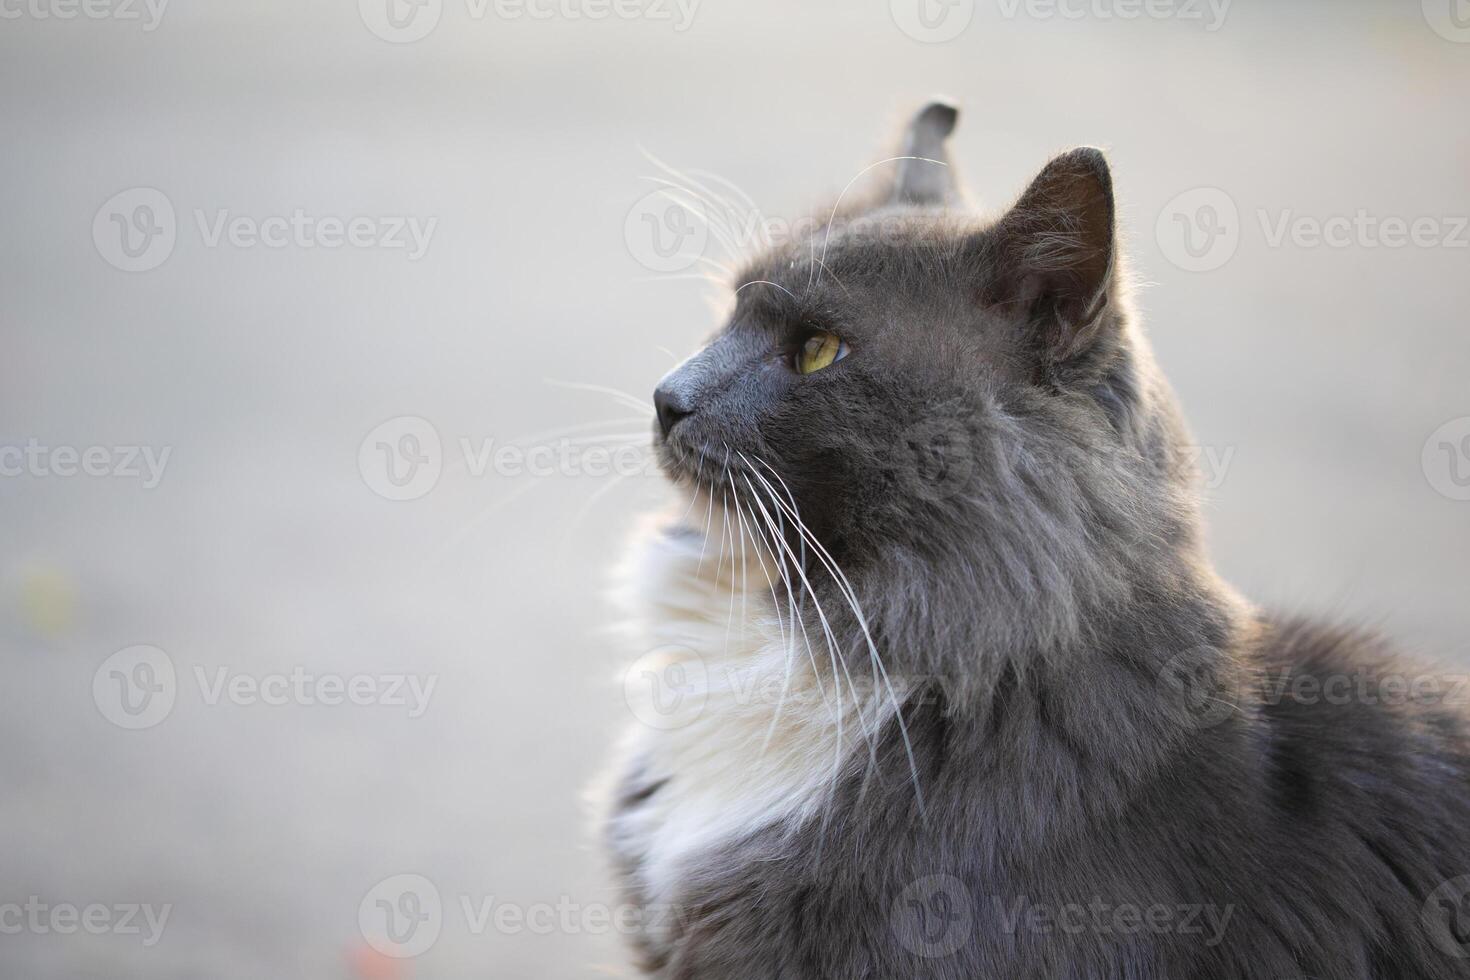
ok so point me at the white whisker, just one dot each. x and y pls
(832, 654)
(631, 401)
(827, 235)
(848, 593)
(767, 282)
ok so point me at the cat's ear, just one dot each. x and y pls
(1057, 252)
(925, 175)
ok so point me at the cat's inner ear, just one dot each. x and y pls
(926, 175)
(1057, 251)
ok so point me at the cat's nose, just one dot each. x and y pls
(672, 404)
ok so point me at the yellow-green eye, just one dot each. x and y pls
(821, 350)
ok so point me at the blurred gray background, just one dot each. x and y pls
(1330, 382)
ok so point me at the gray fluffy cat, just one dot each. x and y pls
(940, 682)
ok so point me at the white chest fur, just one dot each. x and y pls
(737, 714)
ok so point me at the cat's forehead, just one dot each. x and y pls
(853, 257)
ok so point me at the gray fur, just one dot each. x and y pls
(1003, 475)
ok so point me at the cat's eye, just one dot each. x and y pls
(821, 350)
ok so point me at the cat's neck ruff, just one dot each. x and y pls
(739, 722)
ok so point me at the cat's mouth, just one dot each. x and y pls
(704, 463)
(701, 466)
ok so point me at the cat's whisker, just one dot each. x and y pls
(766, 282)
(708, 277)
(833, 656)
(571, 429)
(765, 239)
(750, 531)
(614, 437)
(453, 537)
(828, 269)
(718, 231)
(790, 664)
(827, 234)
(726, 270)
(859, 707)
(691, 186)
(629, 400)
(730, 620)
(685, 176)
(464, 458)
(718, 225)
(711, 175)
(788, 645)
(709, 517)
(734, 581)
(832, 645)
(744, 568)
(833, 569)
(586, 508)
(793, 615)
(850, 595)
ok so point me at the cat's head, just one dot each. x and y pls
(940, 394)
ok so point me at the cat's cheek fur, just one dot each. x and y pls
(761, 743)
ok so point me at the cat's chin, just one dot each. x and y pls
(697, 472)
